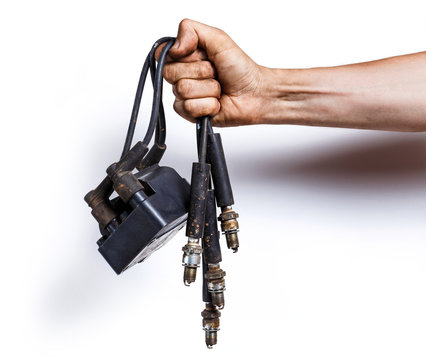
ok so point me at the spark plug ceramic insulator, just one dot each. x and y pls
(223, 190)
(196, 219)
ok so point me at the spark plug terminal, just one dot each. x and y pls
(191, 260)
(230, 227)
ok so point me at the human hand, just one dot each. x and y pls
(212, 76)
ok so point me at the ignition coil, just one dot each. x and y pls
(153, 202)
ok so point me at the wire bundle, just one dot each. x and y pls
(157, 121)
(210, 188)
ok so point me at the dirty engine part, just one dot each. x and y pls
(140, 205)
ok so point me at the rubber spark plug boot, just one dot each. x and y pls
(195, 223)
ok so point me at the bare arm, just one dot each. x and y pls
(387, 94)
(212, 75)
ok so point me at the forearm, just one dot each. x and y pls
(388, 94)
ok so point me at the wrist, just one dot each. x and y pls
(296, 96)
(278, 94)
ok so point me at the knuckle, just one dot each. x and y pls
(205, 69)
(167, 72)
(190, 107)
(201, 107)
(217, 88)
(184, 22)
(174, 90)
(174, 73)
(212, 107)
(180, 110)
(217, 107)
(183, 87)
(175, 106)
(224, 36)
(221, 32)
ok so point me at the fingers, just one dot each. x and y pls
(198, 54)
(193, 108)
(175, 71)
(190, 70)
(193, 35)
(186, 89)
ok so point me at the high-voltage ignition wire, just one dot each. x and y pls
(213, 281)
(157, 106)
(223, 190)
(98, 199)
(197, 206)
(213, 275)
(201, 227)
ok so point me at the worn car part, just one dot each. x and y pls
(223, 190)
(153, 202)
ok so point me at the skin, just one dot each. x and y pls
(212, 76)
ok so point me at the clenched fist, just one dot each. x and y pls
(212, 76)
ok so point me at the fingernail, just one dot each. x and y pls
(176, 44)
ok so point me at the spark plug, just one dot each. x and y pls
(215, 277)
(211, 324)
(230, 227)
(223, 190)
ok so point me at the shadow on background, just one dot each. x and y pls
(383, 161)
(386, 160)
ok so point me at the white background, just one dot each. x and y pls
(333, 222)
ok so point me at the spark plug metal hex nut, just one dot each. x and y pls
(216, 285)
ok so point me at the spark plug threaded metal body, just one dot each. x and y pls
(191, 260)
(215, 277)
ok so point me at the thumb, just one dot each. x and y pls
(193, 34)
